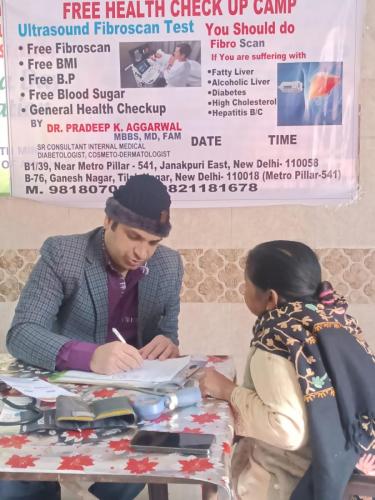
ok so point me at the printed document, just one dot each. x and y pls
(36, 388)
(151, 372)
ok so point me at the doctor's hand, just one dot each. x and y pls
(213, 383)
(115, 357)
(160, 347)
(171, 61)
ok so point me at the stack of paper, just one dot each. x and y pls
(152, 372)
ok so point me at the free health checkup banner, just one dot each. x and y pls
(229, 102)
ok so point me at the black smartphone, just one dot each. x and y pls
(173, 442)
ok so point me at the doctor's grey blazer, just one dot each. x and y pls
(66, 298)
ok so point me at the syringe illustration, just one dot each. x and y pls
(291, 87)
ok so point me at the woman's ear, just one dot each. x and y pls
(273, 298)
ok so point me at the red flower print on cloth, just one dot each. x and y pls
(140, 466)
(104, 393)
(192, 430)
(366, 464)
(17, 462)
(226, 447)
(120, 445)
(205, 418)
(195, 465)
(76, 462)
(16, 441)
(79, 435)
(162, 418)
(216, 359)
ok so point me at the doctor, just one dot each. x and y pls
(179, 70)
(117, 276)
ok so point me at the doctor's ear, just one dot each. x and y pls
(107, 222)
(273, 299)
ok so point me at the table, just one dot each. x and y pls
(91, 456)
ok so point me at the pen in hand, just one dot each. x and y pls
(134, 353)
(113, 357)
(118, 335)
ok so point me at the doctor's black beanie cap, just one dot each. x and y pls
(144, 195)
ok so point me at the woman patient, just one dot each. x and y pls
(306, 410)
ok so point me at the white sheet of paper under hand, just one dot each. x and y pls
(152, 372)
(155, 370)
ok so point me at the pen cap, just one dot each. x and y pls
(183, 397)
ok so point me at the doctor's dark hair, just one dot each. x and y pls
(290, 268)
(185, 49)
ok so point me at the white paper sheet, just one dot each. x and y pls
(152, 371)
(36, 388)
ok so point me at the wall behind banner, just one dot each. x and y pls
(213, 243)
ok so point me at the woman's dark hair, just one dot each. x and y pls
(290, 268)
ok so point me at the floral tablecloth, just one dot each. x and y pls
(94, 454)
